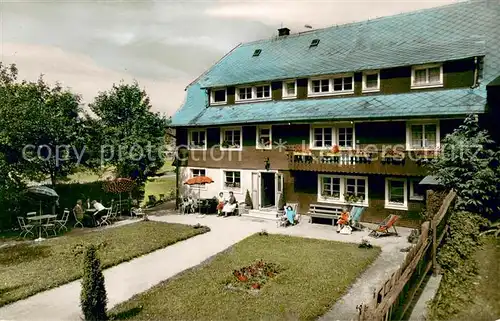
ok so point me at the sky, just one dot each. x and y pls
(164, 45)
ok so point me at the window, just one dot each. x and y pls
(218, 96)
(396, 193)
(423, 135)
(340, 84)
(416, 190)
(232, 180)
(256, 53)
(264, 138)
(322, 137)
(427, 76)
(263, 91)
(321, 85)
(197, 139)
(327, 136)
(314, 43)
(343, 189)
(343, 84)
(231, 138)
(371, 81)
(290, 89)
(198, 172)
(245, 93)
(345, 136)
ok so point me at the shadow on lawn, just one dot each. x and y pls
(21, 253)
(6, 290)
(130, 313)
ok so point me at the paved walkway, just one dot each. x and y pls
(127, 279)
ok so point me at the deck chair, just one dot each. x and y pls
(383, 228)
(295, 207)
(355, 216)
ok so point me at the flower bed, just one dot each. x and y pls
(253, 277)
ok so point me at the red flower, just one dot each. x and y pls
(256, 286)
(335, 149)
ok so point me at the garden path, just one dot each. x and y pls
(127, 279)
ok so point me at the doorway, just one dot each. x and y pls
(268, 189)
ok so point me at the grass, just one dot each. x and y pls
(26, 269)
(315, 274)
(485, 297)
(159, 186)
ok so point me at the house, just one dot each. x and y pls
(348, 114)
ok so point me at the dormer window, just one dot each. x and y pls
(218, 96)
(427, 76)
(254, 93)
(339, 84)
(314, 43)
(371, 81)
(256, 53)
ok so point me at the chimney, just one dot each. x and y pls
(283, 32)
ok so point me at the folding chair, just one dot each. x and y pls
(49, 225)
(62, 222)
(104, 219)
(78, 222)
(383, 228)
(25, 228)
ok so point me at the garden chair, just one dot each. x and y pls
(281, 220)
(356, 213)
(61, 224)
(105, 219)
(295, 207)
(383, 228)
(78, 222)
(25, 228)
(49, 226)
(31, 214)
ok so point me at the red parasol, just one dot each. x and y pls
(199, 180)
(119, 185)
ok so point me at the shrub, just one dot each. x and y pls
(93, 298)
(248, 200)
(365, 244)
(281, 202)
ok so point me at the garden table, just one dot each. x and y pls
(38, 221)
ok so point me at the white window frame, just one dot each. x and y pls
(335, 135)
(285, 94)
(222, 136)
(396, 206)
(191, 175)
(371, 72)
(223, 180)
(343, 188)
(330, 91)
(423, 122)
(414, 197)
(427, 84)
(254, 93)
(190, 135)
(212, 97)
(257, 137)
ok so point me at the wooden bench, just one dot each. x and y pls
(329, 211)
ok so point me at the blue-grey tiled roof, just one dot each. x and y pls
(428, 103)
(433, 35)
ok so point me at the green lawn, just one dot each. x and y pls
(159, 186)
(26, 269)
(316, 273)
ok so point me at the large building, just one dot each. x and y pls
(342, 115)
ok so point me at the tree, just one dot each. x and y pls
(469, 164)
(93, 298)
(41, 132)
(132, 137)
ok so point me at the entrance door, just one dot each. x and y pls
(255, 190)
(279, 187)
(268, 192)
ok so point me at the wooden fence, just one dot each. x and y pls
(392, 300)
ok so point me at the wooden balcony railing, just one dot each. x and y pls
(401, 163)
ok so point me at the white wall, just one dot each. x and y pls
(211, 190)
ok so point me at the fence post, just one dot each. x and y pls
(434, 246)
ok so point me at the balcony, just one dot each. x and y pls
(404, 163)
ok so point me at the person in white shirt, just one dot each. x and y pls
(98, 206)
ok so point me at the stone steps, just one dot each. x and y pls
(261, 214)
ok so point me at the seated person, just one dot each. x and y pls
(230, 205)
(80, 214)
(100, 210)
(98, 206)
(343, 221)
(290, 214)
(220, 203)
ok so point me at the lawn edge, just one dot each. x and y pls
(199, 231)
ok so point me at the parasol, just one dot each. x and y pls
(42, 193)
(199, 180)
(119, 185)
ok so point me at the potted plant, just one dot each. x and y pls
(248, 200)
(281, 202)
